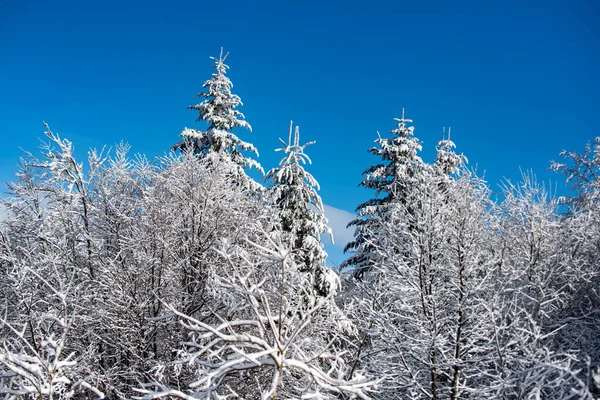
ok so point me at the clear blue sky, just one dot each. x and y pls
(516, 81)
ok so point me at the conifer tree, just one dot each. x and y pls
(392, 179)
(446, 158)
(219, 111)
(301, 210)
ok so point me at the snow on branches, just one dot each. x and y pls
(176, 277)
(301, 214)
(219, 111)
(394, 178)
(262, 341)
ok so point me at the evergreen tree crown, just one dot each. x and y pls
(218, 110)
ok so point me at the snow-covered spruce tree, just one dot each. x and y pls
(453, 317)
(446, 158)
(301, 213)
(219, 111)
(446, 315)
(393, 179)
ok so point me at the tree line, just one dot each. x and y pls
(182, 277)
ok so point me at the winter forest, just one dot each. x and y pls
(182, 277)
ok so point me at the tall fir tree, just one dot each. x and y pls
(446, 158)
(219, 111)
(301, 211)
(392, 180)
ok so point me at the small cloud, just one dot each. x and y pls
(338, 219)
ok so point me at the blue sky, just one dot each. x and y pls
(516, 81)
